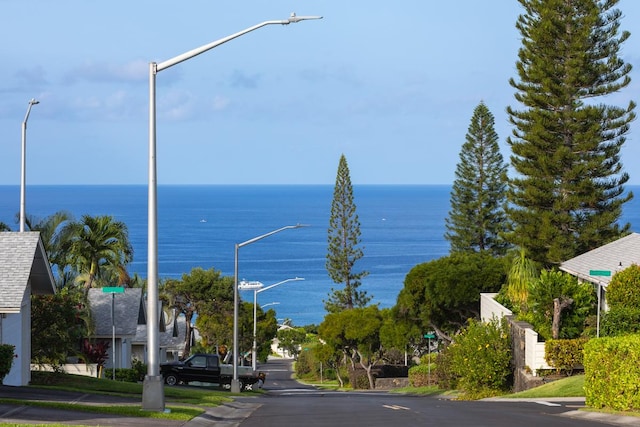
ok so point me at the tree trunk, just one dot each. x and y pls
(559, 304)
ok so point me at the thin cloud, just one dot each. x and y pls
(96, 72)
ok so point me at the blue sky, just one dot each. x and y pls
(392, 85)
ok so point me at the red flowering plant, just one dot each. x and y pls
(95, 352)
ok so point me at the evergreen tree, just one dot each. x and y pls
(568, 193)
(477, 218)
(344, 250)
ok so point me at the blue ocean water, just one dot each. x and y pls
(198, 226)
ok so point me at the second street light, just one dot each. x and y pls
(258, 287)
(235, 383)
(152, 389)
(23, 169)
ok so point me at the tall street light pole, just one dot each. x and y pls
(257, 288)
(235, 383)
(23, 171)
(153, 391)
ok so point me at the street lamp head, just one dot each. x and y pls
(295, 18)
(33, 101)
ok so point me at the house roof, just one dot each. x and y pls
(23, 260)
(128, 309)
(172, 337)
(612, 257)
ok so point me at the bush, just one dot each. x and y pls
(307, 366)
(624, 289)
(481, 357)
(620, 321)
(612, 373)
(6, 359)
(446, 378)
(556, 284)
(422, 376)
(564, 355)
(134, 374)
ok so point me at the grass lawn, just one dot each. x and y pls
(183, 403)
(566, 387)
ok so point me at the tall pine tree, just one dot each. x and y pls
(344, 250)
(567, 195)
(477, 219)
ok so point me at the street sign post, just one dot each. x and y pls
(429, 337)
(599, 273)
(113, 290)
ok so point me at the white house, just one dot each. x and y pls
(24, 270)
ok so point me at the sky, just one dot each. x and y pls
(391, 85)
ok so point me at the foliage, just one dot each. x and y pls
(612, 373)
(4, 227)
(214, 304)
(556, 284)
(481, 357)
(6, 359)
(332, 358)
(291, 340)
(50, 232)
(305, 366)
(477, 217)
(442, 294)
(522, 273)
(95, 352)
(356, 332)
(567, 193)
(624, 288)
(620, 321)
(564, 355)
(98, 248)
(445, 375)
(58, 324)
(344, 250)
(198, 288)
(135, 374)
(422, 375)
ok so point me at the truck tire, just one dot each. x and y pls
(171, 379)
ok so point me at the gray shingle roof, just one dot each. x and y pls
(612, 257)
(128, 311)
(22, 258)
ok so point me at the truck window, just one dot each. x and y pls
(199, 362)
(212, 362)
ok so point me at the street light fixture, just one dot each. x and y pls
(258, 287)
(153, 391)
(23, 171)
(235, 383)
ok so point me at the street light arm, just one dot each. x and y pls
(279, 283)
(255, 239)
(197, 51)
(31, 104)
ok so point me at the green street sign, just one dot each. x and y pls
(429, 336)
(113, 290)
(600, 273)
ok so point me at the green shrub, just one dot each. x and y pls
(564, 355)
(556, 284)
(421, 375)
(307, 366)
(445, 376)
(620, 320)
(481, 357)
(624, 289)
(612, 373)
(134, 374)
(6, 359)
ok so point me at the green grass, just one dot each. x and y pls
(182, 403)
(566, 387)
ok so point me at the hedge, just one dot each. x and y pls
(612, 373)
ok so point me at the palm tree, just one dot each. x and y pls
(94, 244)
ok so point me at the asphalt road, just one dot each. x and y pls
(288, 403)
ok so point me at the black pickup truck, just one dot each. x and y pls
(206, 368)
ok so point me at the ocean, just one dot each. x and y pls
(198, 226)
